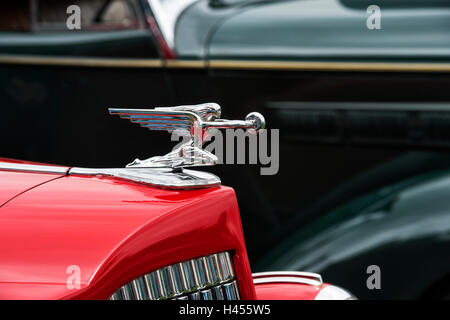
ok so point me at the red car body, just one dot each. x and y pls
(114, 230)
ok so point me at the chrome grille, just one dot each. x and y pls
(205, 278)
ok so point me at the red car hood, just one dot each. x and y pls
(111, 230)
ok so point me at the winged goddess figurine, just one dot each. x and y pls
(197, 122)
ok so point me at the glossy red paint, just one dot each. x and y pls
(287, 291)
(14, 183)
(115, 231)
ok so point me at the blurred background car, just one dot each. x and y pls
(363, 114)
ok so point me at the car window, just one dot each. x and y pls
(336, 29)
(15, 15)
(52, 15)
(105, 28)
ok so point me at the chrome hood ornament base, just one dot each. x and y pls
(184, 156)
(197, 122)
(158, 177)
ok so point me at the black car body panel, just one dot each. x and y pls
(402, 228)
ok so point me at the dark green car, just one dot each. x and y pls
(360, 91)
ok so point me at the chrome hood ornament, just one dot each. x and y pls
(196, 122)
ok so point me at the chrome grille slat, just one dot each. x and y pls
(194, 296)
(162, 285)
(139, 290)
(230, 290)
(218, 293)
(127, 292)
(206, 294)
(191, 275)
(207, 269)
(173, 284)
(213, 266)
(206, 278)
(180, 277)
(202, 273)
(153, 284)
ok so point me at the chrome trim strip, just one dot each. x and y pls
(226, 64)
(80, 61)
(301, 274)
(359, 106)
(186, 64)
(157, 177)
(32, 168)
(309, 278)
(331, 66)
(286, 280)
